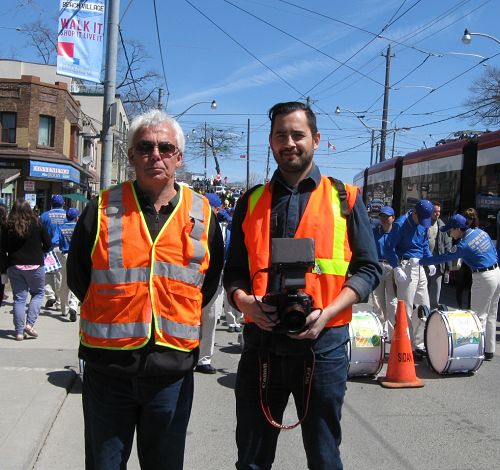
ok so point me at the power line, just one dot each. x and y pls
(161, 52)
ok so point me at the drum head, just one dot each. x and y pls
(436, 342)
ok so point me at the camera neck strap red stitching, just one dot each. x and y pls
(264, 379)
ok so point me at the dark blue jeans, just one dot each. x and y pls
(321, 434)
(114, 407)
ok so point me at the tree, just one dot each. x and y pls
(43, 39)
(213, 141)
(484, 103)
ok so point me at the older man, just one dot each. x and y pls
(144, 258)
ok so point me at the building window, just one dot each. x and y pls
(8, 125)
(46, 131)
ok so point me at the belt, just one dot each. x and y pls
(405, 258)
(482, 270)
(383, 261)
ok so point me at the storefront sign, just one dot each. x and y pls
(54, 171)
(29, 186)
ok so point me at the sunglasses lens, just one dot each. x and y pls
(145, 147)
(166, 148)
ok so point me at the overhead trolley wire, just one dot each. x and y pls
(243, 47)
(161, 53)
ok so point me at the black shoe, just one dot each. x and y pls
(237, 329)
(72, 315)
(231, 329)
(205, 369)
(419, 354)
(488, 356)
(50, 303)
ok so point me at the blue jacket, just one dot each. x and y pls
(50, 220)
(476, 250)
(406, 240)
(66, 231)
(380, 238)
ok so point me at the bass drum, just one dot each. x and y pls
(366, 345)
(454, 341)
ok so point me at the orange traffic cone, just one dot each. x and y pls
(401, 368)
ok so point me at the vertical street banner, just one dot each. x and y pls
(80, 39)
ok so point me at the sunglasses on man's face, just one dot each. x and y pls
(146, 147)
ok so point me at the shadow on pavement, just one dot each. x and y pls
(231, 349)
(62, 378)
(228, 380)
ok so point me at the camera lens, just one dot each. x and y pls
(295, 318)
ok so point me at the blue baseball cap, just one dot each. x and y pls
(72, 213)
(455, 221)
(424, 209)
(57, 200)
(213, 199)
(386, 210)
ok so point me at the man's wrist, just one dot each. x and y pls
(233, 297)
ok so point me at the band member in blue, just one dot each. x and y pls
(476, 250)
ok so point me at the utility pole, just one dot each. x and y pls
(267, 163)
(383, 133)
(372, 147)
(205, 167)
(248, 154)
(109, 107)
(160, 98)
(393, 141)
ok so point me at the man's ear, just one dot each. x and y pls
(316, 139)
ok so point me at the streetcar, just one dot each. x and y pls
(459, 174)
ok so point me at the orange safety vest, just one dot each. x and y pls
(323, 221)
(134, 278)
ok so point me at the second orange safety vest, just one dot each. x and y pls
(323, 221)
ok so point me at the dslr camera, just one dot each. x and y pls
(291, 259)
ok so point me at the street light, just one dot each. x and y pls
(338, 110)
(213, 105)
(467, 37)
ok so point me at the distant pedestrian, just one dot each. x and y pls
(3, 256)
(439, 243)
(476, 249)
(384, 296)
(25, 242)
(51, 220)
(69, 301)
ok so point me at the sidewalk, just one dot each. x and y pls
(36, 375)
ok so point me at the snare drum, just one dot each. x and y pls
(454, 341)
(366, 345)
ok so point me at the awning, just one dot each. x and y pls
(76, 197)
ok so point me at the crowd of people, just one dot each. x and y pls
(418, 251)
(143, 266)
(33, 251)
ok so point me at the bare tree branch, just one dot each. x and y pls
(485, 95)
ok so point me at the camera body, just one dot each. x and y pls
(291, 259)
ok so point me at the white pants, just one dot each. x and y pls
(414, 292)
(68, 299)
(209, 315)
(485, 293)
(385, 300)
(233, 316)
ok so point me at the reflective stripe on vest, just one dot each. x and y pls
(337, 265)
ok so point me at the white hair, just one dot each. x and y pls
(155, 118)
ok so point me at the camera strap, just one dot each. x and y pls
(264, 380)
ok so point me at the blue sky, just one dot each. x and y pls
(250, 54)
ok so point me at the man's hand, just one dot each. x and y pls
(254, 308)
(400, 275)
(432, 269)
(315, 322)
(414, 261)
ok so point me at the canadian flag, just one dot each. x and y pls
(331, 146)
